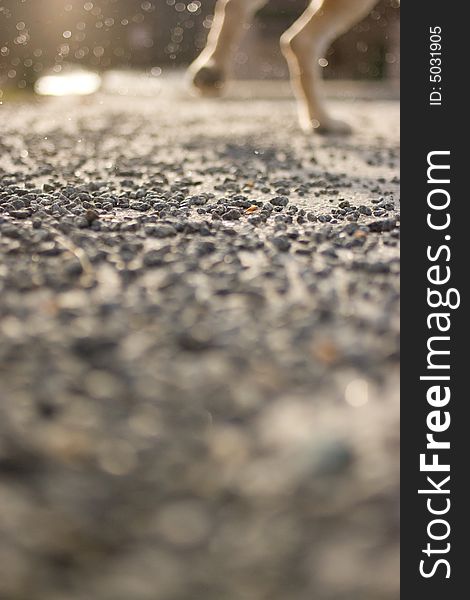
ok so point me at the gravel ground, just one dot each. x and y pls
(199, 350)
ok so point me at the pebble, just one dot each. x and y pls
(383, 225)
(232, 215)
(160, 231)
(279, 201)
(281, 242)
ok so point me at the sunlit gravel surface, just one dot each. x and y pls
(198, 351)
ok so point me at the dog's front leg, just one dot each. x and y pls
(209, 71)
(304, 45)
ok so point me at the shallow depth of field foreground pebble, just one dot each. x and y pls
(199, 350)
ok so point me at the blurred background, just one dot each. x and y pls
(37, 36)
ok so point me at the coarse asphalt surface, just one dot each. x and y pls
(199, 349)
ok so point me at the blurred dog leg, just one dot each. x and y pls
(304, 45)
(209, 71)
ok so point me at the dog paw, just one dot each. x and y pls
(208, 79)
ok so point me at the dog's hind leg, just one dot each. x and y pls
(304, 45)
(208, 72)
